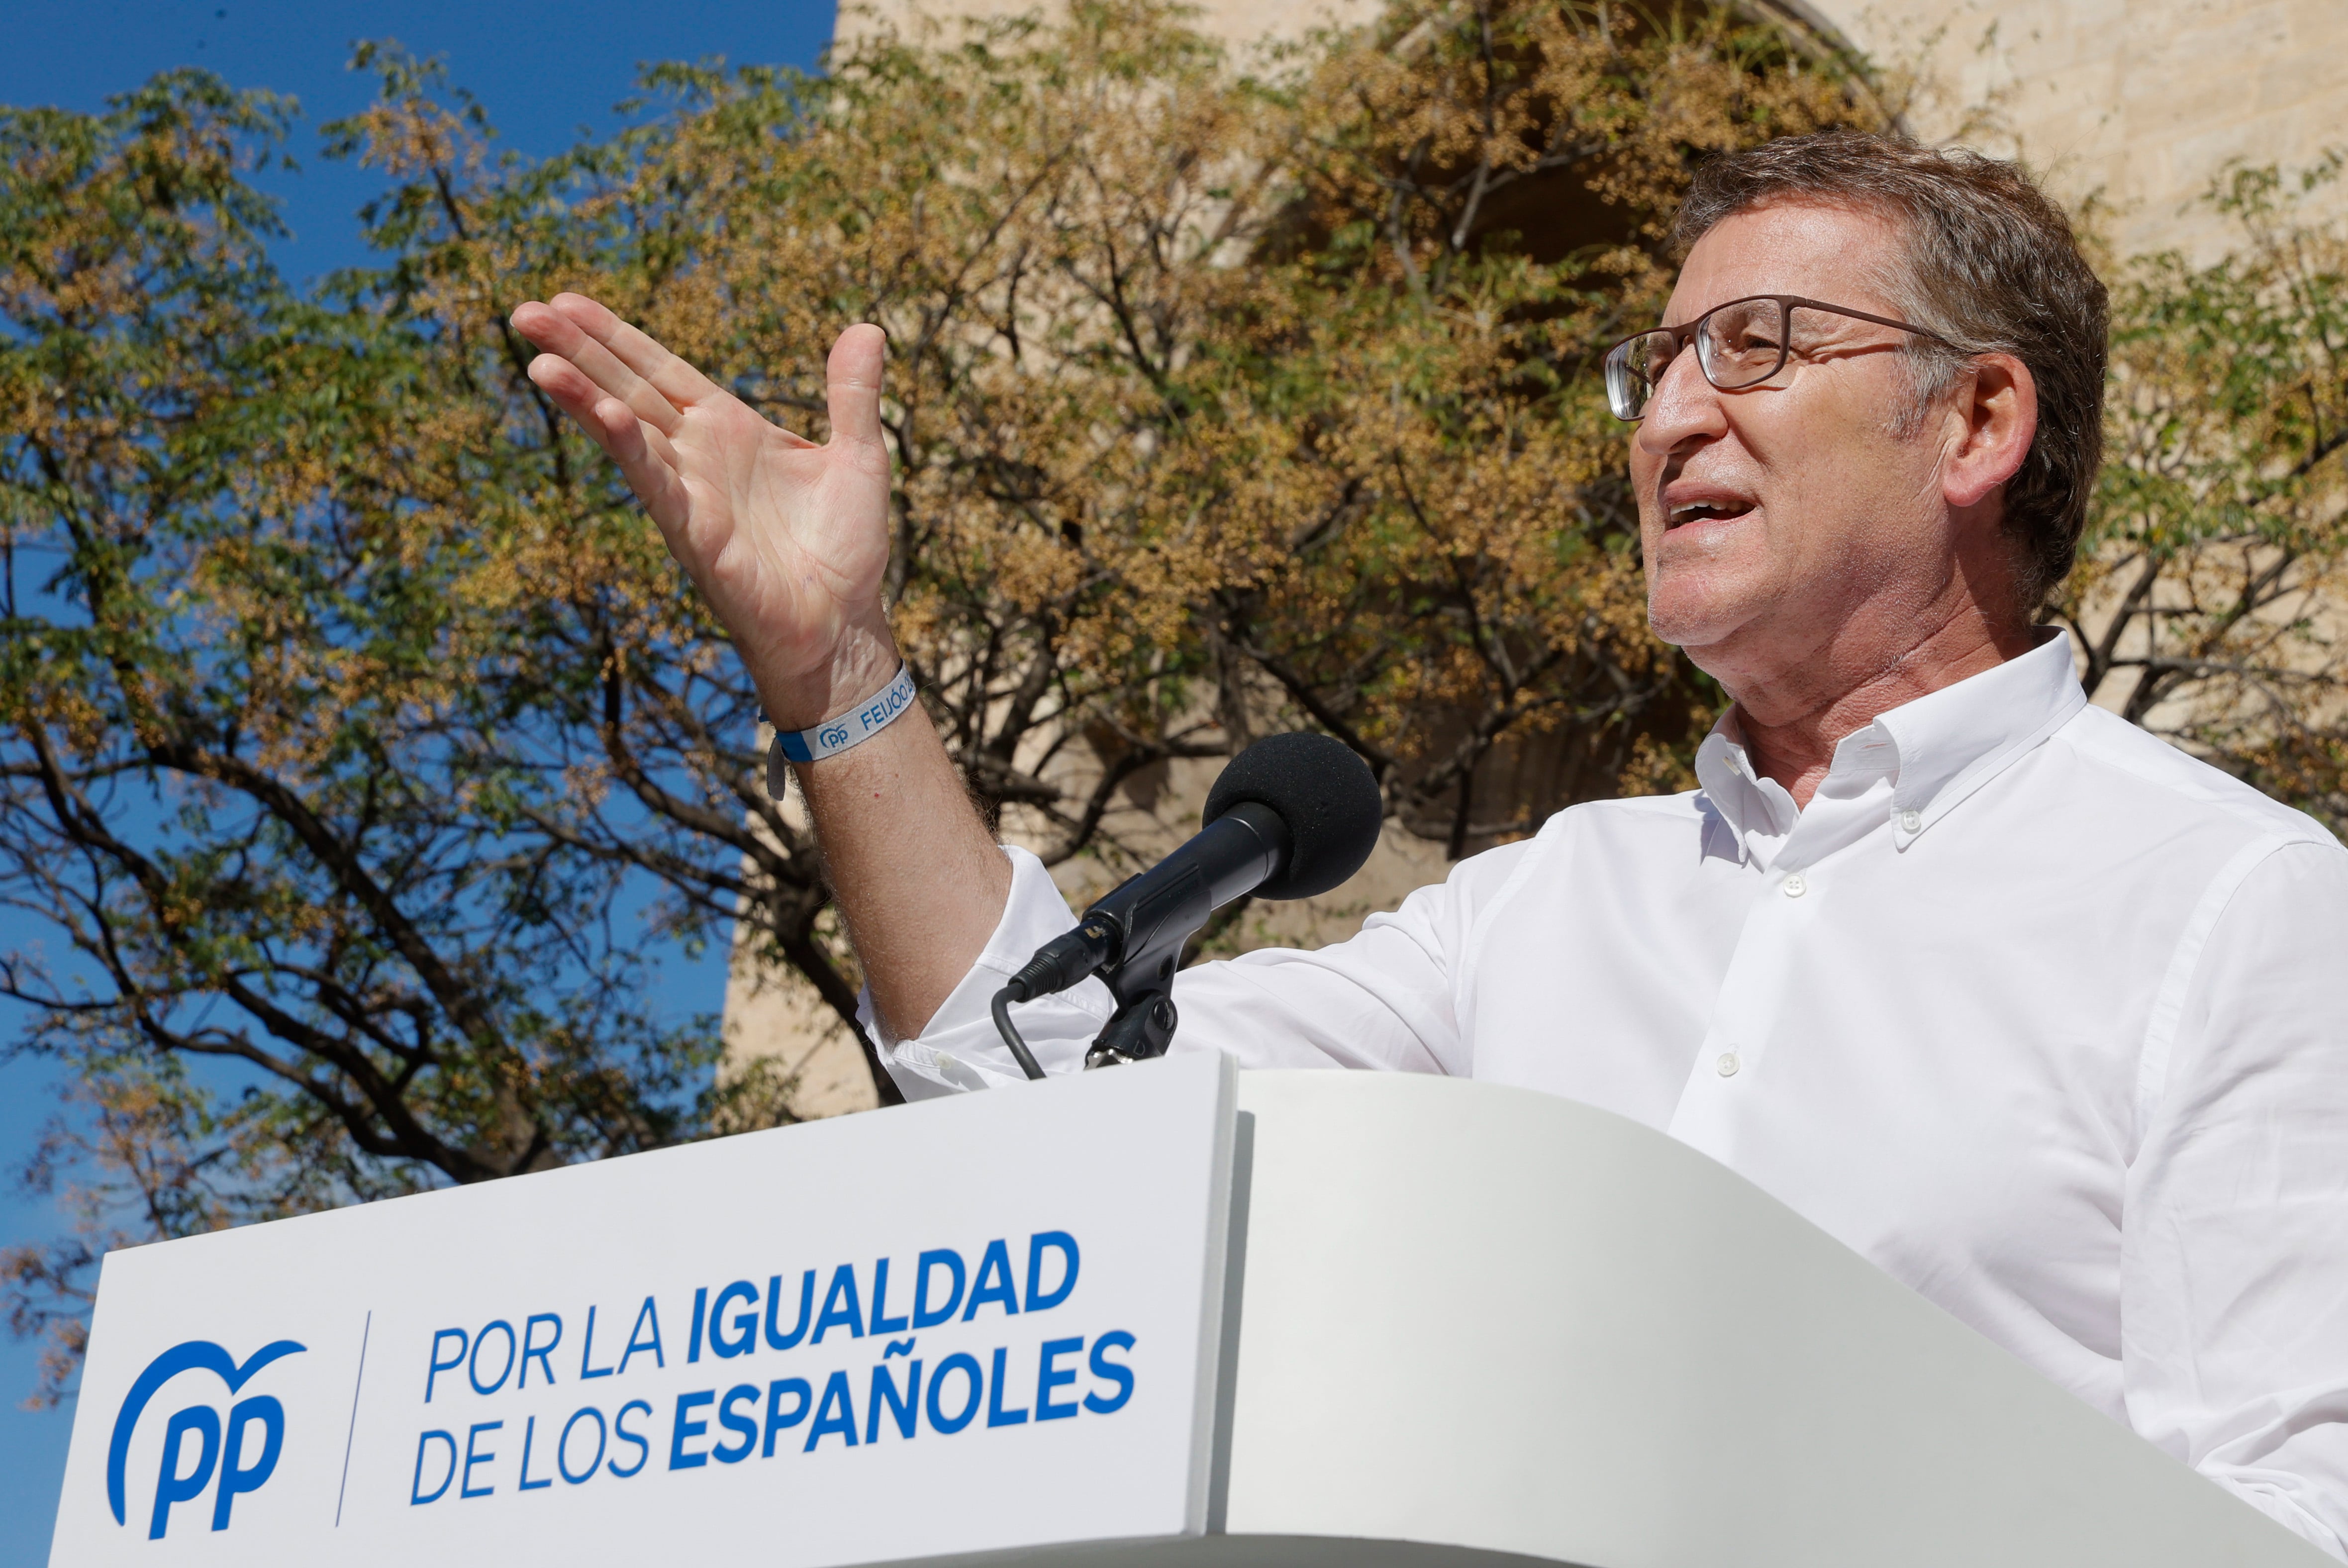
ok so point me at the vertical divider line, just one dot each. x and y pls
(348, 1437)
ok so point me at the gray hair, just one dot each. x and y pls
(1992, 264)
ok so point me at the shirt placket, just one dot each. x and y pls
(1745, 1015)
(1730, 1067)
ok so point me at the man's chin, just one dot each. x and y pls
(1695, 622)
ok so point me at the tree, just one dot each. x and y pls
(2209, 596)
(245, 600)
(346, 696)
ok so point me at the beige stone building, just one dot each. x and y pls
(2134, 106)
(2137, 103)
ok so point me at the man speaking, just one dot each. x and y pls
(2043, 1017)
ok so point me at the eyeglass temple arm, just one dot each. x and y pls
(1842, 310)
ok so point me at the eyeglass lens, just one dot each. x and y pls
(1740, 345)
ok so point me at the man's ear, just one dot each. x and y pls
(1998, 405)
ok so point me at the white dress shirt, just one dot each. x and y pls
(2047, 1019)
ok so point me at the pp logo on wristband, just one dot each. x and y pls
(837, 735)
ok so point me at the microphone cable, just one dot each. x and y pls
(1066, 960)
(1015, 992)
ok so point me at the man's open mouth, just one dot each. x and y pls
(1707, 511)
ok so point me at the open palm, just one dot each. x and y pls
(786, 538)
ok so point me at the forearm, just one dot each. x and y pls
(915, 873)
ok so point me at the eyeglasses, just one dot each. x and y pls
(1739, 345)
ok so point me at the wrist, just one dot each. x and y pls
(864, 662)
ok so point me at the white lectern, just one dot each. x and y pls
(1166, 1312)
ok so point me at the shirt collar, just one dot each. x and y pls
(1936, 750)
(1751, 804)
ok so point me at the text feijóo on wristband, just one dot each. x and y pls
(833, 736)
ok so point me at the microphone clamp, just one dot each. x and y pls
(1154, 915)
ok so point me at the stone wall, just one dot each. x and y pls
(2138, 104)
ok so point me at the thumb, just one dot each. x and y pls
(852, 384)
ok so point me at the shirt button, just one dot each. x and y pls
(1728, 1064)
(1909, 822)
(1795, 886)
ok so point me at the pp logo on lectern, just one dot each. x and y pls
(219, 1448)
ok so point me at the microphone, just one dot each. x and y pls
(1292, 816)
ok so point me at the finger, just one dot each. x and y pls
(573, 390)
(852, 385)
(674, 379)
(559, 333)
(538, 321)
(645, 458)
(646, 461)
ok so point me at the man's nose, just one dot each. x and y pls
(1685, 408)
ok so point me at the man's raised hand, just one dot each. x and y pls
(787, 539)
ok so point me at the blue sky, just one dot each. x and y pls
(546, 72)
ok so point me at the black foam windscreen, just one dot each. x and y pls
(1325, 794)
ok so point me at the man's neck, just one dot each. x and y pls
(1792, 724)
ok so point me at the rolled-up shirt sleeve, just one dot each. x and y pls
(2234, 1270)
(1383, 999)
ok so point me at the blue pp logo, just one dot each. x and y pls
(218, 1448)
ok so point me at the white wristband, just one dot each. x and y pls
(836, 735)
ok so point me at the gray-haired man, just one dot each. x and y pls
(2038, 1014)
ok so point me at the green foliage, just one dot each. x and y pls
(248, 663)
(2209, 596)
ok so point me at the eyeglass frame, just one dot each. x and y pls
(1683, 334)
